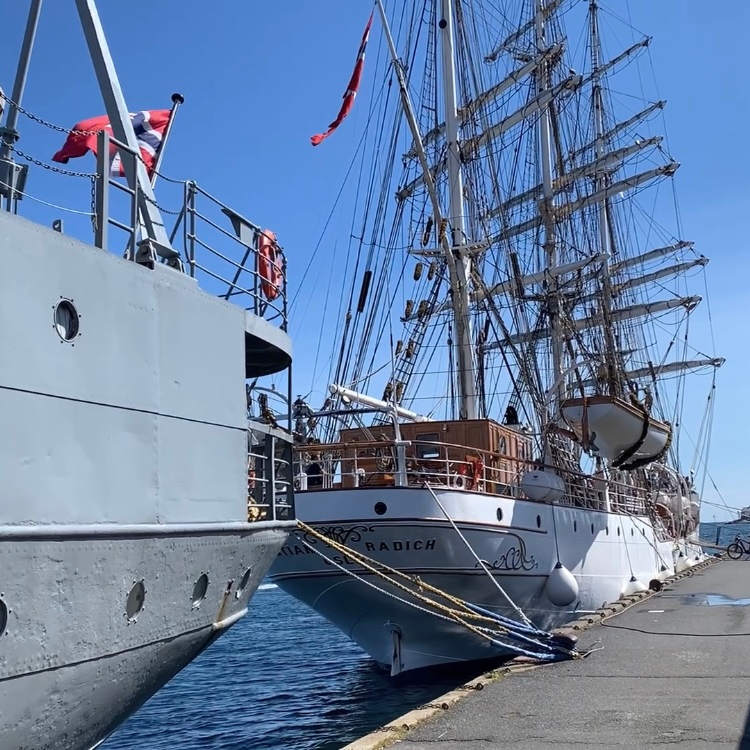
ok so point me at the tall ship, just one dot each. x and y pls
(142, 507)
(513, 371)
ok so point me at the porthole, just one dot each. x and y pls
(380, 508)
(243, 583)
(499, 514)
(66, 320)
(200, 589)
(3, 616)
(539, 522)
(135, 602)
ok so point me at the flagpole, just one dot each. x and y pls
(177, 99)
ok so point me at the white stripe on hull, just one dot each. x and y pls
(72, 667)
(602, 550)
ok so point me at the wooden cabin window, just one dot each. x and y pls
(428, 451)
(503, 447)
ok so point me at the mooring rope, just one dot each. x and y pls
(503, 627)
(477, 558)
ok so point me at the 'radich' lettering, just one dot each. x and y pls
(290, 550)
(398, 546)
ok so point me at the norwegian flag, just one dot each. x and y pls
(149, 127)
(351, 89)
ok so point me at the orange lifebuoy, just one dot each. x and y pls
(269, 265)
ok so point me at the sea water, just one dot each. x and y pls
(284, 678)
(281, 678)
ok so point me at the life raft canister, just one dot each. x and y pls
(269, 265)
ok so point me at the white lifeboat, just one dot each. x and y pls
(616, 430)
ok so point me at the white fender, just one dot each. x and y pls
(633, 586)
(561, 587)
(665, 573)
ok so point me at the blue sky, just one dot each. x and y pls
(260, 78)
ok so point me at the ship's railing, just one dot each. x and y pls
(270, 488)
(234, 256)
(389, 463)
(220, 247)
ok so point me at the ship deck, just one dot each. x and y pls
(653, 683)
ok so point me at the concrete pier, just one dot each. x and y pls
(673, 668)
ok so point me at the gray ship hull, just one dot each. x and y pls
(77, 665)
(141, 502)
(124, 533)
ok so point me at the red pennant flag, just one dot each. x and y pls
(351, 90)
(149, 127)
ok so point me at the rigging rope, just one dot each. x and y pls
(481, 562)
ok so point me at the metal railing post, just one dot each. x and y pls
(269, 474)
(285, 305)
(401, 478)
(256, 275)
(190, 227)
(102, 190)
(135, 215)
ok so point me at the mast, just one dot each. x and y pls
(9, 134)
(613, 379)
(548, 219)
(457, 220)
(117, 111)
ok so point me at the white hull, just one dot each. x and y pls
(614, 428)
(72, 667)
(602, 550)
